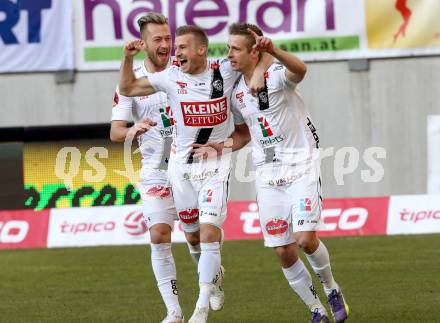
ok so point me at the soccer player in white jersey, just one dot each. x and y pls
(199, 94)
(285, 147)
(153, 129)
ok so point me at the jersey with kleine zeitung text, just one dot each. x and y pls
(152, 144)
(280, 126)
(200, 104)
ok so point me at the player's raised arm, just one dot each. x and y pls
(257, 81)
(295, 68)
(129, 85)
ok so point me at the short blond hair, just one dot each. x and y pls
(198, 33)
(151, 18)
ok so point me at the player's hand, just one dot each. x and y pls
(141, 127)
(256, 84)
(133, 47)
(208, 150)
(263, 44)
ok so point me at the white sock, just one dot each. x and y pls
(195, 252)
(301, 282)
(204, 294)
(320, 262)
(209, 266)
(164, 270)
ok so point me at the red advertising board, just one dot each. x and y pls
(23, 229)
(355, 216)
(341, 217)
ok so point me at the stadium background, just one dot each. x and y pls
(363, 88)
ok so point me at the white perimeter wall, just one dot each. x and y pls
(386, 106)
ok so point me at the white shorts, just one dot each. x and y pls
(157, 199)
(200, 192)
(289, 201)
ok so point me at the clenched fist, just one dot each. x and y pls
(133, 47)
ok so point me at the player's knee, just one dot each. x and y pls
(287, 255)
(210, 234)
(193, 238)
(307, 243)
(160, 233)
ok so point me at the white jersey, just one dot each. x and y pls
(281, 127)
(200, 104)
(155, 143)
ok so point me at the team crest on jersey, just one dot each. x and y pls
(182, 87)
(202, 114)
(276, 226)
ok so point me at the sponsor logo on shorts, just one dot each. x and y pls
(159, 191)
(305, 205)
(204, 212)
(201, 114)
(283, 181)
(134, 224)
(207, 196)
(189, 216)
(276, 226)
(200, 176)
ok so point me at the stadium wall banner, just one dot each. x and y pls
(24, 229)
(99, 226)
(123, 225)
(433, 154)
(414, 214)
(314, 29)
(36, 35)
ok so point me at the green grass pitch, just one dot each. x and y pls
(385, 279)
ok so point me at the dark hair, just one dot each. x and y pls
(242, 29)
(198, 33)
(151, 18)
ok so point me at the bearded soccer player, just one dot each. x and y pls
(153, 129)
(284, 151)
(199, 92)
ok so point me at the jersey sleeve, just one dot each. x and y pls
(277, 72)
(160, 80)
(122, 107)
(238, 118)
(226, 69)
